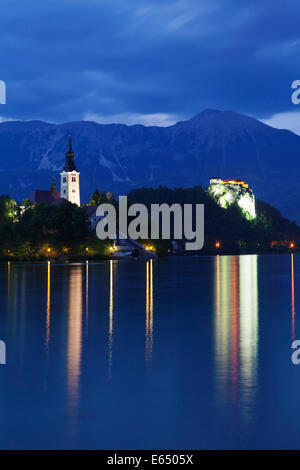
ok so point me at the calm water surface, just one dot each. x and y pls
(176, 353)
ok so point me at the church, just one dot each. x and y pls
(69, 185)
(69, 178)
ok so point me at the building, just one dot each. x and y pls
(227, 192)
(70, 190)
(69, 184)
(44, 196)
(69, 178)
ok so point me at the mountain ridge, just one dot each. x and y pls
(117, 157)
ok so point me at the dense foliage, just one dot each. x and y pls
(46, 231)
(63, 232)
(268, 231)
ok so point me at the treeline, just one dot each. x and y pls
(269, 231)
(37, 232)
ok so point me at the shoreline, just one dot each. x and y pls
(107, 259)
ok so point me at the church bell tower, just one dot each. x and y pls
(69, 178)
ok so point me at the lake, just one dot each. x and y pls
(185, 352)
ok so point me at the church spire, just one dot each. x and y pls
(70, 144)
(70, 164)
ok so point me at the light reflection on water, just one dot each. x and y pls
(86, 297)
(74, 341)
(111, 316)
(149, 310)
(90, 333)
(48, 307)
(293, 296)
(236, 329)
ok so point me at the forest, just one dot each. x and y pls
(39, 232)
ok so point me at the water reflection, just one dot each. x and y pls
(23, 312)
(222, 323)
(235, 325)
(111, 317)
(248, 336)
(48, 308)
(74, 335)
(86, 297)
(8, 280)
(236, 328)
(149, 311)
(293, 296)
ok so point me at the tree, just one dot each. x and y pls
(9, 210)
(98, 198)
(26, 204)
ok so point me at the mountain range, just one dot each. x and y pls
(116, 157)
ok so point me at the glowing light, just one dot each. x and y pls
(218, 244)
(241, 183)
(237, 181)
(226, 192)
(149, 248)
(292, 245)
(246, 203)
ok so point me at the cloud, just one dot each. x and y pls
(155, 60)
(5, 119)
(130, 119)
(290, 121)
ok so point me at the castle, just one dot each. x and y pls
(226, 192)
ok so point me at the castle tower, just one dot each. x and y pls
(69, 178)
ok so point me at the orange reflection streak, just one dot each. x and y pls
(48, 309)
(111, 317)
(151, 303)
(293, 296)
(86, 297)
(149, 311)
(218, 286)
(235, 323)
(74, 334)
(8, 280)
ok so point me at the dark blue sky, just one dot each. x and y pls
(154, 61)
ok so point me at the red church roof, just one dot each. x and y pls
(42, 196)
